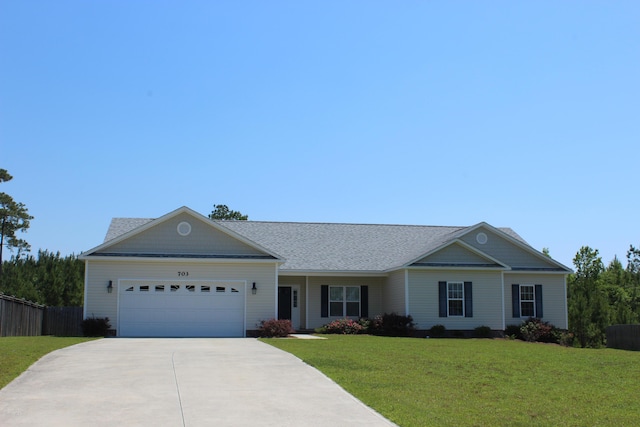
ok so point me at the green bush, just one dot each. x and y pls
(513, 331)
(275, 328)
(392, 325)
(95, 326)
(483, 332)
(437, 331)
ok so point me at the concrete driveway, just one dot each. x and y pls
(178, 382)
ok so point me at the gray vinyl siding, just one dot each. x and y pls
(259, 307)
(163, 238)
(393, 293)
(487, 299)
(507, 252)
(375, 285)
(455, 254)
(553, 296)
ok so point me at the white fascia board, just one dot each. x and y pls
(182, 259)
(533, 271)
(324, 273)
(453, 267)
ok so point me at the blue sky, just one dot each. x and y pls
(520, 114)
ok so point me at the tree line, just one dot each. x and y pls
(48, 278)
(599, 296)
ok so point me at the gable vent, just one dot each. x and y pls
(184, 228)
(481, 238)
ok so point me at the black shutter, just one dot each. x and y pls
(442, 298)
(468, 300)
(324, 301)
(515, 300)
(538, 297)
(364, 301)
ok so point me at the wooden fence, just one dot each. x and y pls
(19, 317)
(624, 337)
(62, 321)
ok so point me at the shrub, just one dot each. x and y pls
(437, 331)
(483, 332)
(344, 326)
(95, 326)
(513, 331)
(536, 330)
(392, 325)
(273, 328)
(566, 339)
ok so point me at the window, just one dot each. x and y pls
(527, 301)
(455, 298)
(344, 301)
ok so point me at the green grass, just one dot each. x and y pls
(441, 382)
(18, 353)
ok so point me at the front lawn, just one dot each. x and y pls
(436, 382)
(18, 353)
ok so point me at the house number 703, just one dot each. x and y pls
(183, 273)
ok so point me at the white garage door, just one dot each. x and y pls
(165, 308)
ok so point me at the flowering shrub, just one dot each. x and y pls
(275, 328)
(534, 329)
(344, 326)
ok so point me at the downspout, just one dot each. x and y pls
(566, 306)
(86, 288)
(406, 292)
(504, 320)
(276, 291)
(306, 302)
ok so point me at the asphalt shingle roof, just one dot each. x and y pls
(331, 246)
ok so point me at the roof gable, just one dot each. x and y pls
(508, 248)
(181, 233)
(458, 254)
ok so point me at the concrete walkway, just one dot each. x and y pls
(178, 382)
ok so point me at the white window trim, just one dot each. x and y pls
(533, 300)
(344, 300)
(455, 282)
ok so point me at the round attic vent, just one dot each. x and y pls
(481, 238)
(184, 228)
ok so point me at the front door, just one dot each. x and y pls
(284, 302)
(289, 304)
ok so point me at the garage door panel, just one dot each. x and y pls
(192, 309)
